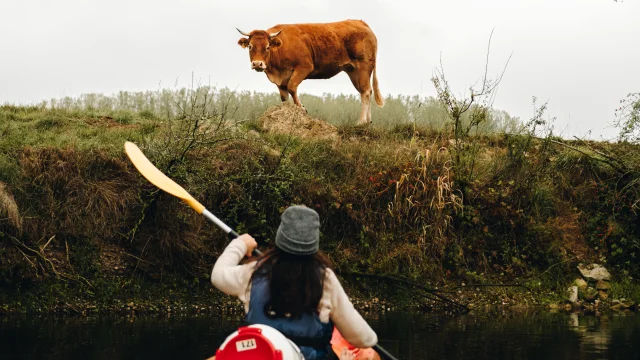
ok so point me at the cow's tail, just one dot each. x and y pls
(376, 89)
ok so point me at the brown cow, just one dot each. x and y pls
(291, 53)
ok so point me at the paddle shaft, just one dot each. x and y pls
(383, 352)
(232, 234)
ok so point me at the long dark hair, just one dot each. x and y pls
(296, 282)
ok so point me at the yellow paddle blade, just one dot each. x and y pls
(157, 178)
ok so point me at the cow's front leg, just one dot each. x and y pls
(298, 75)
(284, 93)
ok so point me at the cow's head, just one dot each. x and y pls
(260, 44)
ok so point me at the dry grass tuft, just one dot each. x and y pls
(90, 192)
(425, 199)
(9, 208)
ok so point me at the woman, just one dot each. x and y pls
(292, 287)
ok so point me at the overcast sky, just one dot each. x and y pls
(580, 55)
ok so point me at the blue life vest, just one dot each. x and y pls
(312, 336)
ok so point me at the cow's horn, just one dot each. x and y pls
(272, 35)
(242, 32)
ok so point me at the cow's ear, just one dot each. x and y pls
(275, 42)
(244, 42)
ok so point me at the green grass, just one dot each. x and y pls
(39, 127)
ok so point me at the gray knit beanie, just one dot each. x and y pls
(299, 230)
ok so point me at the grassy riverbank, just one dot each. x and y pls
(407, 197)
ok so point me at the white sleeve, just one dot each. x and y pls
(227, 275)
(346, 318)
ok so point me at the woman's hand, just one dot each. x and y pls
(249, 242)
(346, 354)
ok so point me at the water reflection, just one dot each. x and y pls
(494, 334)
(533, 334)
(602, 335)
(112, 337)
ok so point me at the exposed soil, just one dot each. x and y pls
(287, 118)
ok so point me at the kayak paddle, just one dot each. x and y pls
(160, 180)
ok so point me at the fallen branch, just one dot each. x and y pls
(489, 285)
(39, 254)
(139, 259)
(610, 163)
(47, 244)
(601, 153)
(29, 260)
(433, 295)
(551, 267)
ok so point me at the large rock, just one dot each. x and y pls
(602, 285)
(627, 304)
(594, 272)
(622, 305)
(581, 284)
(617, 307)
(572, 292)
(603, 295)
(590, 294)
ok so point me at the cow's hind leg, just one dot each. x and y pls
(360, 78)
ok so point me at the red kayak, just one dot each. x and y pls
(262, 342)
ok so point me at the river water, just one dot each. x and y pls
(496, 334)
